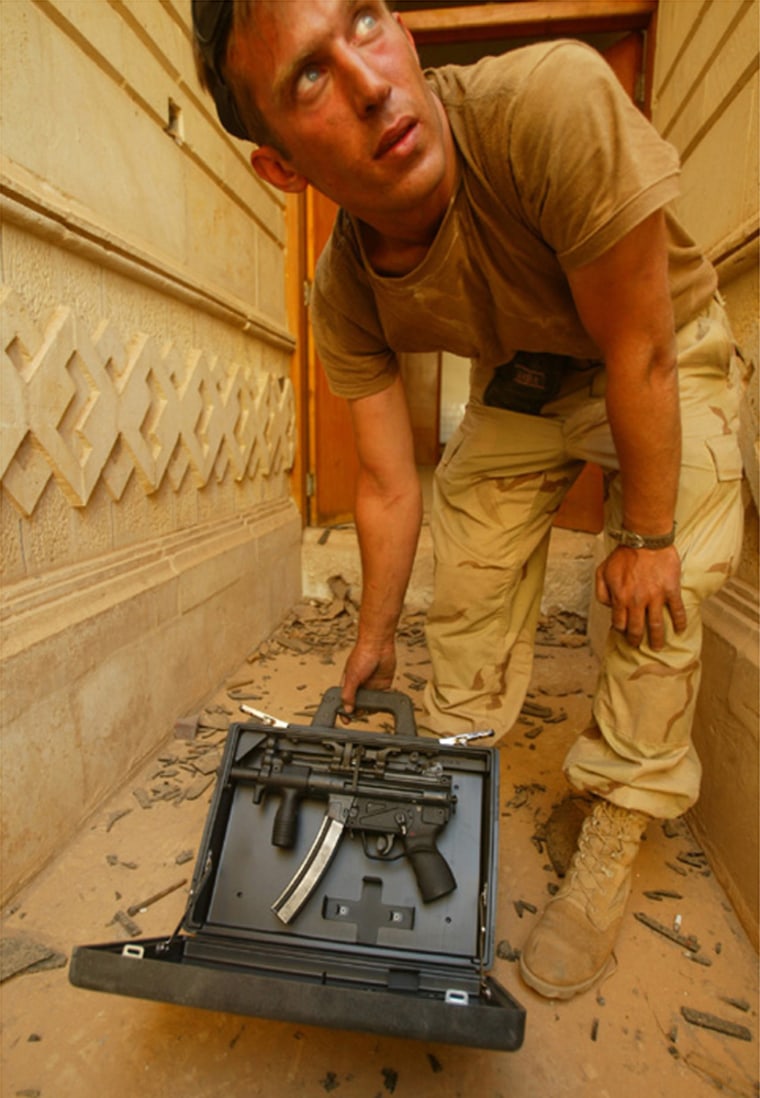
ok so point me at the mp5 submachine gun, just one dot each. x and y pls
(396, 810)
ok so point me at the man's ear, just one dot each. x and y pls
(271, 166)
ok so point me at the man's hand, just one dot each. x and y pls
(368, 665)
(640, 585)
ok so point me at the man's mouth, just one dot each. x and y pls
(393, 136)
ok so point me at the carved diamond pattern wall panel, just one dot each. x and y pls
(85, 407)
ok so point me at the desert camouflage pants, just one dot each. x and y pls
(501, 479)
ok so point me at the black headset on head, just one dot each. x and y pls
(212, 20)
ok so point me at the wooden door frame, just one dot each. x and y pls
(468, 23)
(536, 18)
(525, 19)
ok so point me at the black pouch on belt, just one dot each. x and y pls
(527, 382)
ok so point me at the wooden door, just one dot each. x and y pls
(329, 485)
(335, 466)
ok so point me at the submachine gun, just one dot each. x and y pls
(397, 806)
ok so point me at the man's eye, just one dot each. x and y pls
(366, 23)
(308, 78)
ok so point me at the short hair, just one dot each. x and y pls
(215, 23)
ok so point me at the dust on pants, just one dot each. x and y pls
(501, 480)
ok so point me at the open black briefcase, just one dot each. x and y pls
(345, 878)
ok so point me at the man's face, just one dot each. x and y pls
(339, 83)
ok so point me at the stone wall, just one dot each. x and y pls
(148, 535)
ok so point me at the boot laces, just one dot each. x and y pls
(607, 845)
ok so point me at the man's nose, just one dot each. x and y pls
(368, 87)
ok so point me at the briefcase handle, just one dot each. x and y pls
(376, 701)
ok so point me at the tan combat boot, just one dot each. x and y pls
(568, 949)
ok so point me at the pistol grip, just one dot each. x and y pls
(434, 877)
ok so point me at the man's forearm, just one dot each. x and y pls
(644, 414)
(388, 525)
(624, 301)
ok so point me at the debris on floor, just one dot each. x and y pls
(689, 942)
(21, 954)
(315, 626)
(562, 628)
(720, 1025)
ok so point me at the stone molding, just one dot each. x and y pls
(42, 607)
(61, 221)
(85, 407)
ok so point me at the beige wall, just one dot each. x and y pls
(705, 100)
(148, 536)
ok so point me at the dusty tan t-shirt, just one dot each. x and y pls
(555, 166)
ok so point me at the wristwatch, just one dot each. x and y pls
(642, 541)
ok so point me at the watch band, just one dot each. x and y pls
(642, 541)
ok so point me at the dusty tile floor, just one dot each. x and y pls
(626, 1039)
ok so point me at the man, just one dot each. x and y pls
(515, 213)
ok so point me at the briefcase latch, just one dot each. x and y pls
(455, 997)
